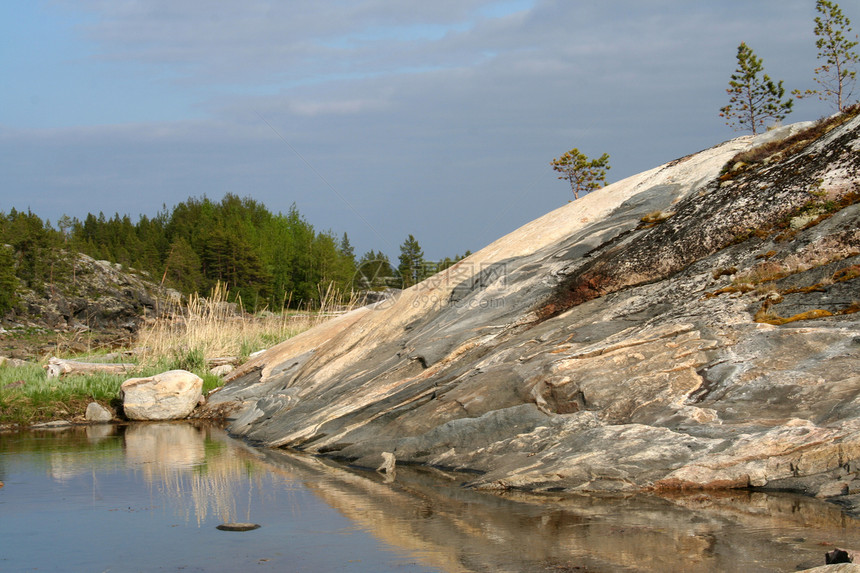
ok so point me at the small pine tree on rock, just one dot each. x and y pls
(583, 174)
(754, 98)
(837, 76)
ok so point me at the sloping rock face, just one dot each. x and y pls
(689, 327)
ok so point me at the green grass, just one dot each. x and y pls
(28, 397)
(185, 339)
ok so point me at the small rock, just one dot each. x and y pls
(389, 463)
(836, 556)
(98, 413)
(833, 489)
(222, 370)
(237, 526)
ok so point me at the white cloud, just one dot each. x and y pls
(339, 107)
(419, 113)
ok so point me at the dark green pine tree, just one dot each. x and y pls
(346, 249)
(182, 267)
(229, 258)
(346, 264)
(8, 282)
(411, 267)
(374, 272)
(327, 270)
(837, 75)
(754, 98)
(38, 263)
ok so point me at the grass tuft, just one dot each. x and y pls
(776, 150)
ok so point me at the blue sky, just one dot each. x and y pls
(379, 118)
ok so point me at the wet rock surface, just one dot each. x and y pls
(676, 330)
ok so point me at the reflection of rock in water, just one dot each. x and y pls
(154, 447)
(100, 443)
(458, 529)
(98, 432)
(430, 515)
(195, 468)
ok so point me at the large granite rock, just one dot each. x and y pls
(171, 395)
(688, 327)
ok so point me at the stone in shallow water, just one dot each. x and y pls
(238, 526)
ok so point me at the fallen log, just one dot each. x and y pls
(57, 367)
(223, 360)
(115, 355)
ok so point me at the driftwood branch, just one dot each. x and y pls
(223, 360)
(57, 367)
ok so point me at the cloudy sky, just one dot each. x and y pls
(379, 118)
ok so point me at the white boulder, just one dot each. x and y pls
(171, 395)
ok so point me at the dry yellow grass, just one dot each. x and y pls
(217, 327)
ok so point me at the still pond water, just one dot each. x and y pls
(149, 498)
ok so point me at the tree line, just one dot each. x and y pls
(269, 260)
